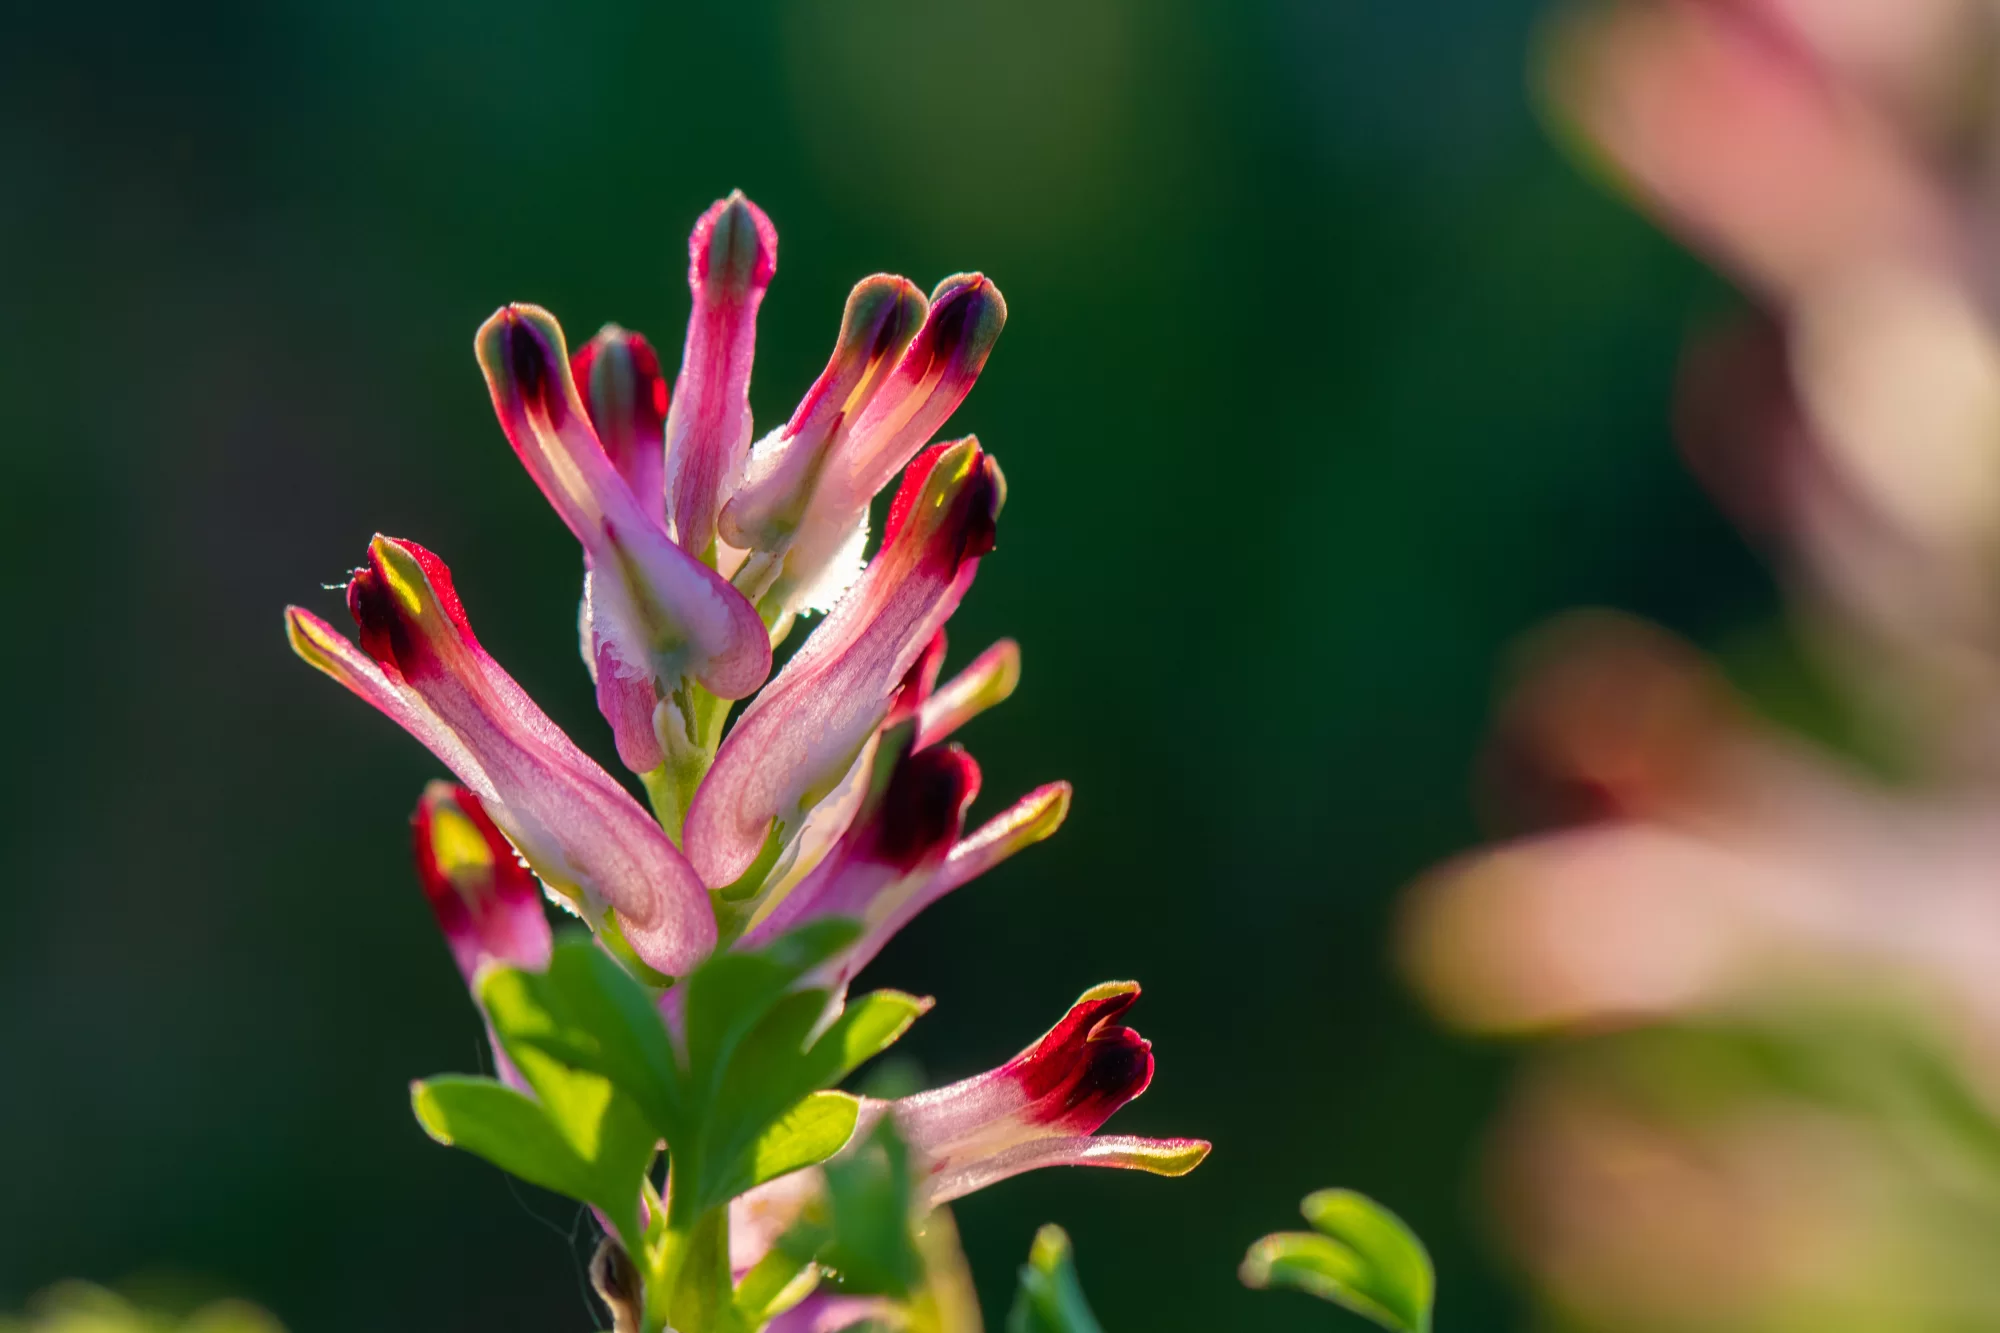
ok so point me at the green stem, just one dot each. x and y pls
(688, 1288)
(691, 734)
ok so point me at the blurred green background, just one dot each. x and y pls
(1326, 375)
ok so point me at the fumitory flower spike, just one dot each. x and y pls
(485, 898)
(711, 1018)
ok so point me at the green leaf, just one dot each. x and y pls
(1050, 1299)
(1360, 1256)
(587, 1013)
(814, 1130)
(864, 1232)
(731, 993)
(593, 1146)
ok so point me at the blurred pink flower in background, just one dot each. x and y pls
(1694, 879)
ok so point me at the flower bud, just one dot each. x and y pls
(732, 255)
(486, 901)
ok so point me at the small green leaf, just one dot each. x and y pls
(807, 1135)
(731, 993)
(594, 1148)
(865, 1233)
(867, 1027)
(587, 1013)
(1050, 1299)
(1360, 1256)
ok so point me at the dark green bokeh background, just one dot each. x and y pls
(1326, 375)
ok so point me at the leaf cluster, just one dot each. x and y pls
(740, 1094)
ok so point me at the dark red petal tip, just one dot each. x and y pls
(734, 247)
(967, 314)
(970, 510)
(521, 347)
(1088, 1065)
(923, 811)
(379, 598)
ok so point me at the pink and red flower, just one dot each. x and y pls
(837, 792)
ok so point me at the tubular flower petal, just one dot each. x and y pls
(803, 732)
(882, 870)
(654, 615)
(883, 315)
(805, 498)
(732, 254)
(618, 374)
(1023, 824)
(990, 679)
(1042, 1107)
(486, 902)
(590, 841)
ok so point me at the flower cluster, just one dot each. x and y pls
(836, 796)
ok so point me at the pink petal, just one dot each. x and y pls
(732, 255)
(802, 733)
(1023, 824)
(1039, 1109)
(919, 682)
(578, 828)
(990, 679)
(1739, 140)
(880, 870)
(833, 1312)
(1160, 1157)
(1068, 1083)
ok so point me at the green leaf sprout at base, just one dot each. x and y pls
(1359, 1255)
(1050, 1299)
